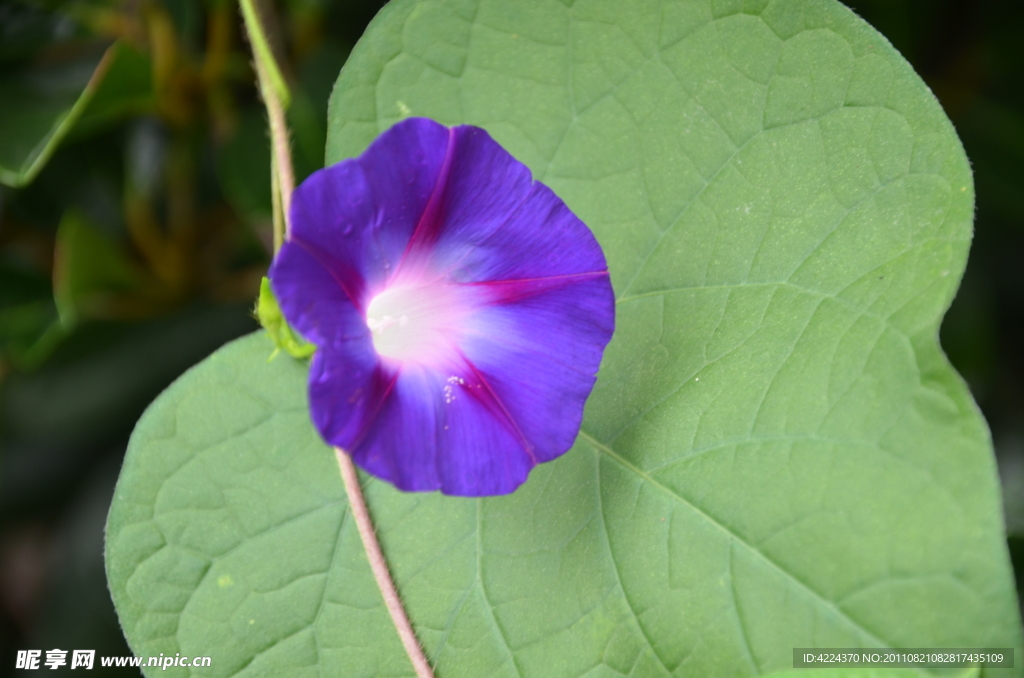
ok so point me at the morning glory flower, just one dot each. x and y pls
(459, 309)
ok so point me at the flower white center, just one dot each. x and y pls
(414, 323)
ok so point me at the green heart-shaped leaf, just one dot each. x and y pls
(777, 453)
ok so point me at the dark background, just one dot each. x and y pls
(178, 186)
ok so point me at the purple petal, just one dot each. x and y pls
(356, 217)
(520, 231)
(460, 309)
(348, 385)
(541, 355)
(324, 318)
(439, 430)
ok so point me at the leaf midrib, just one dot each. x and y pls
(818, 597)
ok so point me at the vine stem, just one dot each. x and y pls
(281, 165)
(380, 566)
(276, 98)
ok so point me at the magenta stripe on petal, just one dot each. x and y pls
(460, 310)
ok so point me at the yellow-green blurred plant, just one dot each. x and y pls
(135, 160)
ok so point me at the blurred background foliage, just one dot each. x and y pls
(135, 225)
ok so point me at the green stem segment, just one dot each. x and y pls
(276, 97)
(263, 53)
(282, 174)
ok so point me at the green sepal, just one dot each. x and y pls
(284, 337)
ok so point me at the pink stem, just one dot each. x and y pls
(380, 566)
